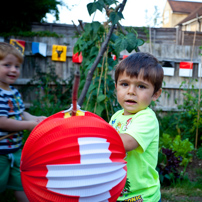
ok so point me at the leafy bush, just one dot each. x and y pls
(181, 147)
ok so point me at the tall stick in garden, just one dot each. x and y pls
(75, 92)
(199, 108)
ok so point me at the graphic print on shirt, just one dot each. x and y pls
(135, 199)
(128, 122)
(118, 127)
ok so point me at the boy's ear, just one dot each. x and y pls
(157, 94)
(115, 85)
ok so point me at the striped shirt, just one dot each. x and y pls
(11, 106)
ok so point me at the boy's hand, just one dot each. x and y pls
(40, 118)
(31, 125)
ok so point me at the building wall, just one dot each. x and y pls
(176, 18)
(193, 26)
(167, 12)
(171, 19)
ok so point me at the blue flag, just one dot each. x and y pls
(39, 48)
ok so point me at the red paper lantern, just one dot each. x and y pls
(74, 159)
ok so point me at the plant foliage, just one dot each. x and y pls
(182, 148)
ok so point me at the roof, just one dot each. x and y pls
(185, 7)
(196, 13)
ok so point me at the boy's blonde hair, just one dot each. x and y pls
(6, 49)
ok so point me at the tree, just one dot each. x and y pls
(20, 14)
(98, 43)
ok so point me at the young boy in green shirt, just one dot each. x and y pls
(138, 81)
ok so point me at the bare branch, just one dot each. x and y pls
(81, 24)
(76, 28)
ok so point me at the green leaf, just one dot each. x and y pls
(100, 5)
(132, 42)
(94, 51)
(99, 110)
(95, 27)
(92, 87)
(92, 7)
(109, 2)
(121, 44)
(140, 42)
(87, 28)
(115, 17)
(113, 37)
(100, 98)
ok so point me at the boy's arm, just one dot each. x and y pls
(12, 125)
(129, 142)
(28, 117)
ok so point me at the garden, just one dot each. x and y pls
(180, 143)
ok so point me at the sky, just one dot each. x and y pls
(136, 12)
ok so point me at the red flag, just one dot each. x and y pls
(186, 69)
(19, 44)
(77, 58)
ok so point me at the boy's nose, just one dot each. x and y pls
(131, 90)
(13, 68)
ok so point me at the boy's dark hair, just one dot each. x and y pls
(143, 63)
(6, 49)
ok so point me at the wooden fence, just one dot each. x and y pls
(158, 35)
(163, 51)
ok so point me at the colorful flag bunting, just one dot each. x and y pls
(39, 48)
(77, 58)
(168, 68)
(19, 44)
(186, 69)
(59, 53)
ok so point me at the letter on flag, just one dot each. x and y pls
(39, 48)
(19, 44)
(186, 69)
(59, 53)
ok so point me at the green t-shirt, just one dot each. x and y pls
(141, 162)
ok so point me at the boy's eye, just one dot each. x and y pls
(141, 86)
(17, 67)
(124, 84)
(6, 65)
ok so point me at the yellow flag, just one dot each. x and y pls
(59, 53)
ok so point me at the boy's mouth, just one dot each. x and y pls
(131, 101)
(11, 76)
